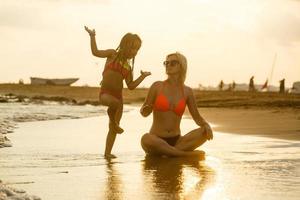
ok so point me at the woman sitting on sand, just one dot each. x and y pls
(167, 99)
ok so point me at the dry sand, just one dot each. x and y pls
(283, 123)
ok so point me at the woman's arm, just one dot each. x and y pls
(99, 53)
(133, 84)
(147, 107)
(200, 121)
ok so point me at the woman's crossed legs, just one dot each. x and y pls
(185, 146)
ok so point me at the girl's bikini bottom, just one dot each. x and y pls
(114, 94)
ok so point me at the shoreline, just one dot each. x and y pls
(237, 112)
(89, 95)
(276, 122)
(281, 123)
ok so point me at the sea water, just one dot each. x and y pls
(63, 159)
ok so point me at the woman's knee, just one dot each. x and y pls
(149, 142)
(199, 135)
(202, 134)
(146, 140)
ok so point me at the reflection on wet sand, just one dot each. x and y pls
(114, 183)
(176, 178)
(161, 178)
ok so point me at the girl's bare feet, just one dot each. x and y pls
(115, 128)
(118, 129)
(109, 156)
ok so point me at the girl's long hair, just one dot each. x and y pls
(125, 45)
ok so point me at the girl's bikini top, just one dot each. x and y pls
(123, 69)
(162, 103)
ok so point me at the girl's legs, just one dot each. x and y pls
(110, 140)
(119, 114)
(114, 111)
(111, 136)
(114, 105)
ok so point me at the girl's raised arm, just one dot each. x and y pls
(99, 53)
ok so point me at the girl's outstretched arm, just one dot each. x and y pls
(132, 84)
(99, 53)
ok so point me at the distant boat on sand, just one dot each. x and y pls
(296, 87)
(50, 81)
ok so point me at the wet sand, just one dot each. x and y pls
(62, 159)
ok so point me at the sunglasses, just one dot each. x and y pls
(171, 63)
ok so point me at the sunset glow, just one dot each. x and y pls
(229, 40)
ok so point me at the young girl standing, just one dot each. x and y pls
(117, 68)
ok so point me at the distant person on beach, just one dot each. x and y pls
(167, 100)
(282, 86)
(221, 85)
(251, 84)
(233, 85)
(117, 68)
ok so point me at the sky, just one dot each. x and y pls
(222, 39)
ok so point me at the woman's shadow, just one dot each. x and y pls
(176, 178)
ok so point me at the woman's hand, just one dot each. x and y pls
(208, 131)
(91, 32)
(145, 74)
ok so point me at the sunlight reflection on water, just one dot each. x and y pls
(236, 166)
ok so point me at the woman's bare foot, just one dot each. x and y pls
(196, 153)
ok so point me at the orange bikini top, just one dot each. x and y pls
(124, 69)
(162, 103)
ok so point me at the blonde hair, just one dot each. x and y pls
(126, 43)
(183, 65)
